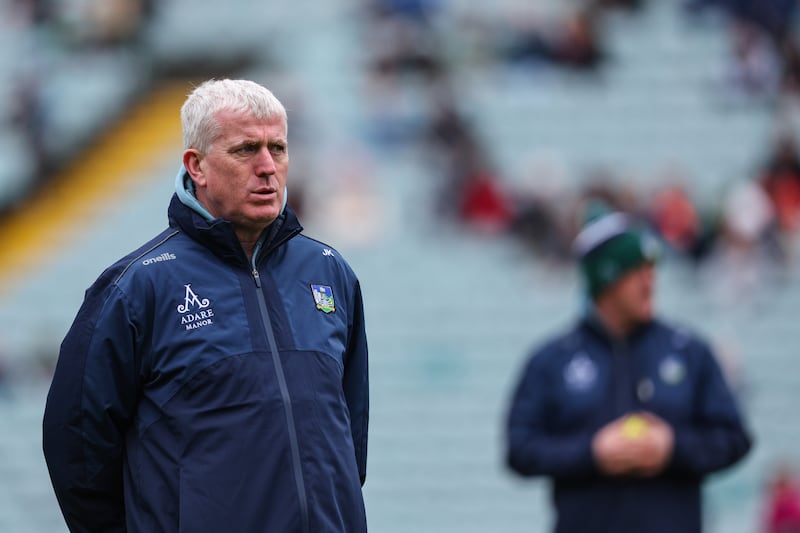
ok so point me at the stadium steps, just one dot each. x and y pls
(93, 184)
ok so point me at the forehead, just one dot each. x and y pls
(233, 126)
(633, 276)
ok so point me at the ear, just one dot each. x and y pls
(192, 161)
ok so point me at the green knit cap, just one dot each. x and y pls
(610, 245)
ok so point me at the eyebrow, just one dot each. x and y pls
(258, 140)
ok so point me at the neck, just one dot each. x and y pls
(248, 241)
(615, 323)
(250, 237)
(248, 250)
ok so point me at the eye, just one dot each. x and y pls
(278, 148)
(248, 148)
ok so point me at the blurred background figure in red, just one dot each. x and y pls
(782, 502)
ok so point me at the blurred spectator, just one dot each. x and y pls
(606, 186)
(36, 12)
(29, 116)
(780, 177)
(579, 45)
(416, 10)
(447, 133)
(537, 226)
(790, 74)
(782, 503)
(540, 203)
(775, 16)
(737, 264)
(675, 218)
(471, 191)
(113, 22)
(748, 218)
(627, 5)
(483, 204)
(400, 43)
(753, 69)
(573, 41)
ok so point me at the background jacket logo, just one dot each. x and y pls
(672, 370)
(323, 297)
(581, 372)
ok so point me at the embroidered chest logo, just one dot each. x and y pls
(323, 297)
(195, 312)
(581, 372)
(672, 370)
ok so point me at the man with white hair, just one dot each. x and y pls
(215, 379)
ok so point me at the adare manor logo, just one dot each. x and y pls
(195, 312)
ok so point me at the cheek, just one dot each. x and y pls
(646, 304)
(283, 171)
(636, 299)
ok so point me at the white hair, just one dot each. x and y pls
(198, 114)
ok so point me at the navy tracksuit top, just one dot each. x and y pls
(199, 392)
(580, 381)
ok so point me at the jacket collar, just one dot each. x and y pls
(592, 321)
(184, 188)
(217, 234)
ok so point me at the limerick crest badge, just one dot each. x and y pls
(323, 297)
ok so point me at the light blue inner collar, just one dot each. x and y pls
(184, 188)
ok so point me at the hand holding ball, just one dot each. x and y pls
(634, 426)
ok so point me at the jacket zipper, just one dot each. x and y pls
(623, 376)
(287, 404)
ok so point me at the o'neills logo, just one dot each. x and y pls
(166, 256)
(195, 312)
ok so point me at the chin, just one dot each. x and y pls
(265, 216)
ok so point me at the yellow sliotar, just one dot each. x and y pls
(634, 426)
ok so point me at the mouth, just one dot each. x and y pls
(265, 192)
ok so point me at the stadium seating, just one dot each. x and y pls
(451, 316)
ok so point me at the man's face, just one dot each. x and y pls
(242, 178)
(631, 297)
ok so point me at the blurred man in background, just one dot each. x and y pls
(624, 413)
(215, 379)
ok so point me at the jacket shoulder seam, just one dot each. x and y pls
(317, 241)
(143, 253)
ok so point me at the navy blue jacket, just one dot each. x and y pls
(199, 392)
(584, 379)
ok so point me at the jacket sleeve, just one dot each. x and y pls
(89, 406)
(533, 450)
(716, 436)
(356, 382)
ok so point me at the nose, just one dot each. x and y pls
(264, 164)
(648, 274)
